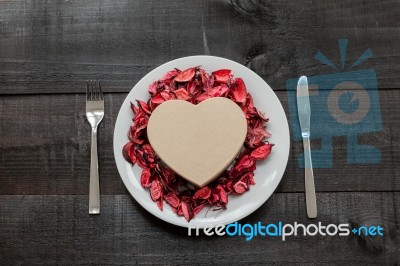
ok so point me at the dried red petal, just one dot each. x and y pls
(172, 199)
(128, 151)
(145, 178)
(204, 77)
(218, 91)
(160, 203)
(153, 88)
(202, 97)
(262, 116)
(157, 99)
(203, 193)
(214, 197)
(248, 108)
(222, 75)
(167, 95)
(135, 135)
(248, 178)
(181, 94)
(192, 89)
(240, 187)
(187, 211)
(223, 196)
(134, 108)
(185, 75)
(179, 210)
(155, 190)
(255, 136)
(245, 162)
(250, 103)
(239, 92)
(262, 152)
(140, 160)
(168, 174)
(229, 186)
(148, 153)
(144, 107)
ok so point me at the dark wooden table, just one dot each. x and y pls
(48, 49)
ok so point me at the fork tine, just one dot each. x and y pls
(94, 90)
(91, 90)
(100, 92)
(87, 90)
(97, 90)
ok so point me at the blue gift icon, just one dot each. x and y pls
(342, 104)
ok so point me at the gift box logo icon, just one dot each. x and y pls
(342, 104)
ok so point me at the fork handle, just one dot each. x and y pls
(311, 202)
(94, 187)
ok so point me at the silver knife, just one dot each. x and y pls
(303, 108)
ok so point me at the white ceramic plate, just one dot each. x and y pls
(268, 174)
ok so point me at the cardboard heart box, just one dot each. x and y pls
(199, 141)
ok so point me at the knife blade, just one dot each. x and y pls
(304, 112)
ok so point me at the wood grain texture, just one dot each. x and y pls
(53, 46)
(48, 49)
(58, 230)
(45, 149)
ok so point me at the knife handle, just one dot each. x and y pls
(311, 201)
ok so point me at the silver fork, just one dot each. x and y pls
(94, 114)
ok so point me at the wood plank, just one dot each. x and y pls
(45, 149)
(58, 230)
(54, 47)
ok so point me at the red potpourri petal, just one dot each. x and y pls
(135, 109)
(160, 203)
(222, 75)
(128, 152)
(155, 190)
(187, 211)
(181, 94)
(145, 178)
(239, 92)
(144, 107)
(203, 193)
(240, 187)
(185, 75)
(223, 196)
(248, 178)
(262, 152)
(172, 200)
